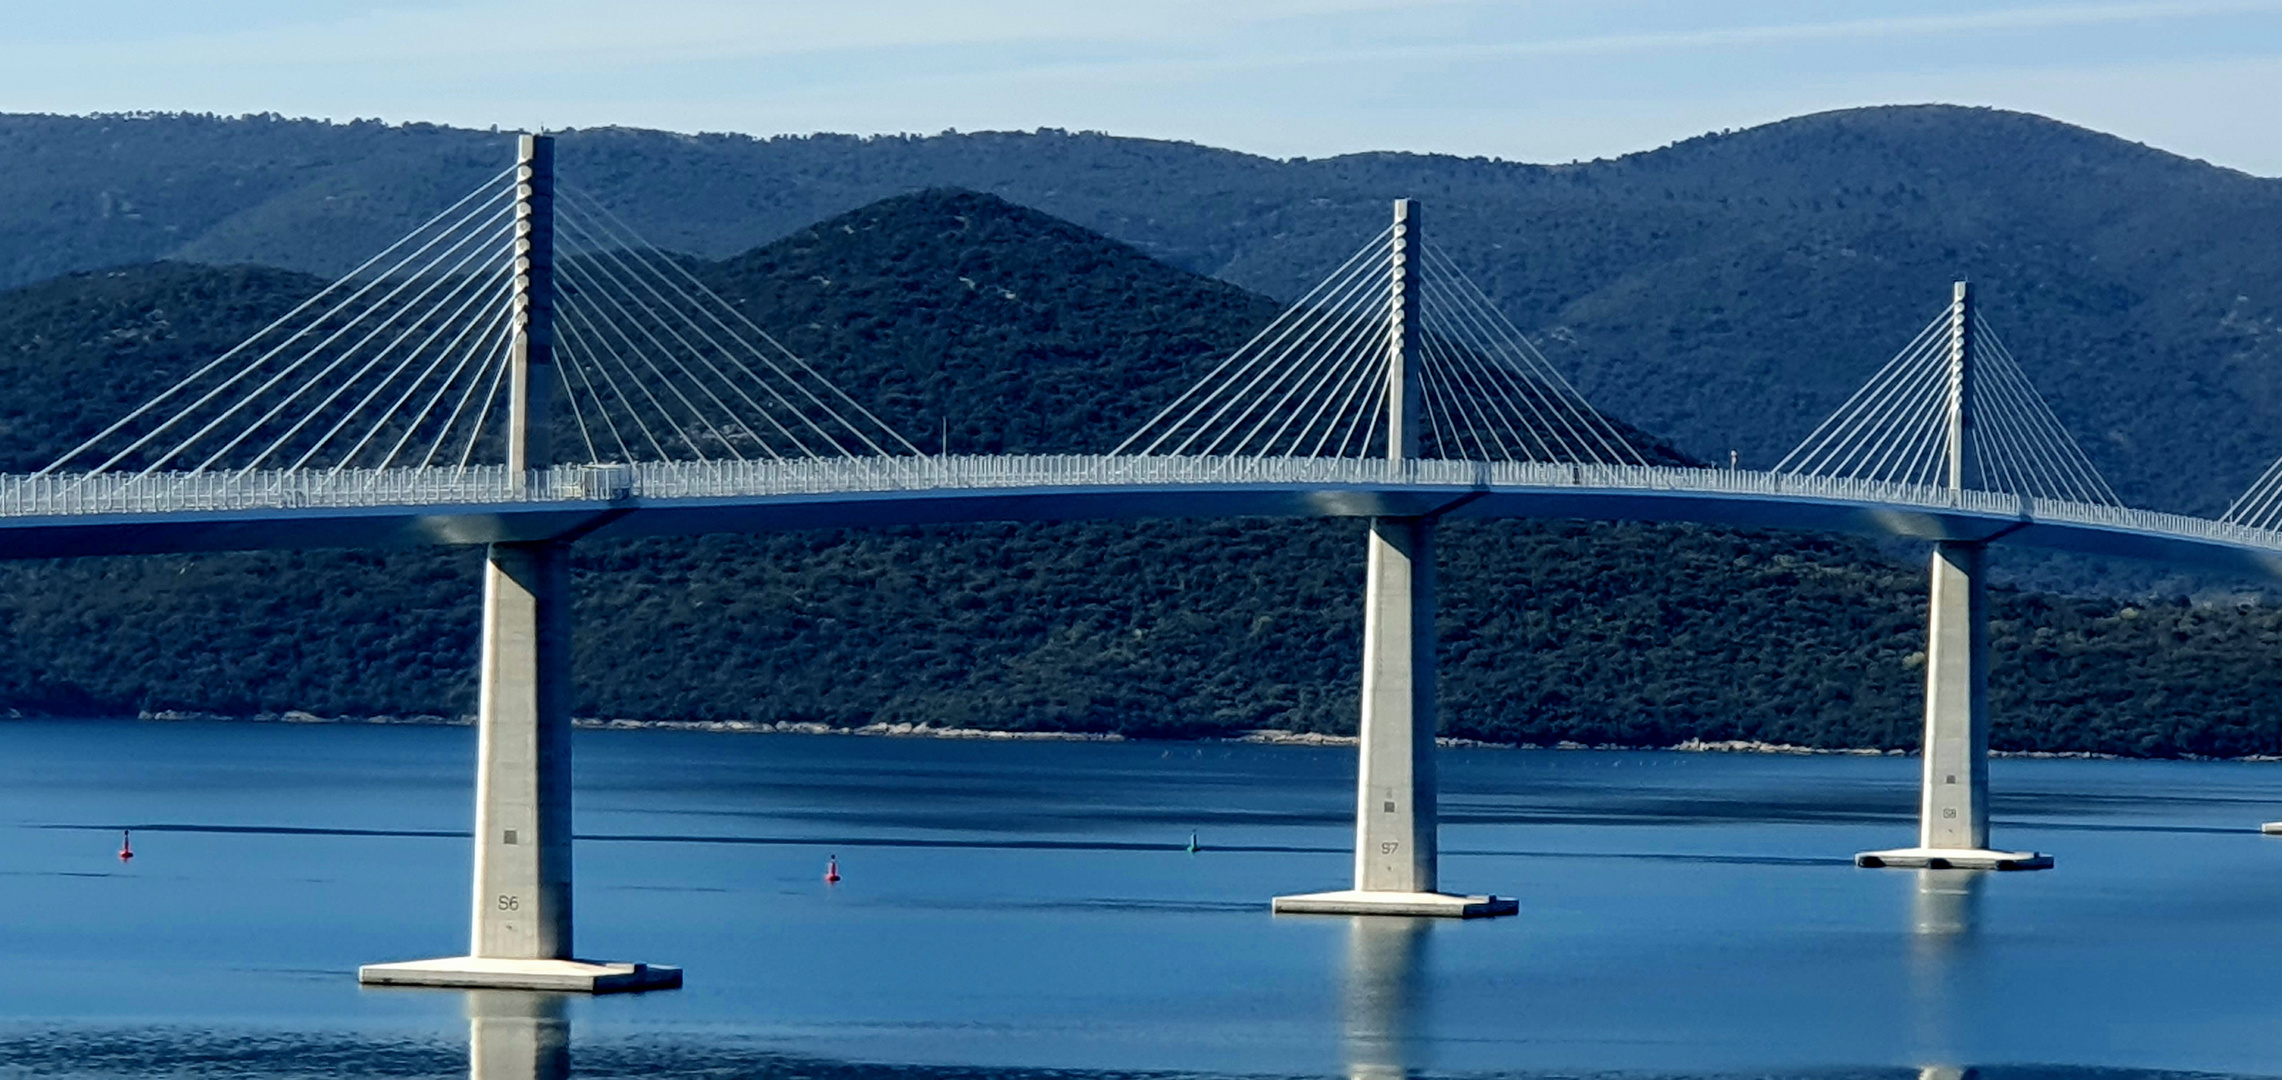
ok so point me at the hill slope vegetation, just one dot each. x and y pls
(1590, 632)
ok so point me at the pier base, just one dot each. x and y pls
(1925, 858)
(491, 973)
(1419, 904)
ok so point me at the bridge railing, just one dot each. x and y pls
(2154, 521)
(71, 495)
(65, 494)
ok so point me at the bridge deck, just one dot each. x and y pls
(42, 517)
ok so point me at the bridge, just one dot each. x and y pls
(523, 372)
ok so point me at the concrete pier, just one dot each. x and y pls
(1396, 825)
(522, 904)
(520, 933)
(1953, 798)
(523, 756)
(520, 936)
(1395, 818)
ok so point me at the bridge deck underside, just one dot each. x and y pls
(176, 532)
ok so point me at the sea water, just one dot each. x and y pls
(1018, 907)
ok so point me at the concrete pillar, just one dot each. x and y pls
(1953, 789)
(1395, 823)
(520, 936)
(1953, 810)
(523, 757)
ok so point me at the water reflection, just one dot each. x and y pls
(1384, 995)
(1947, 905)
(517, 1035)
(1944, 914)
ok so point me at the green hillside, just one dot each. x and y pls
(1597, 633)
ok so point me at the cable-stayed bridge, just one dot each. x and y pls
(523, 371)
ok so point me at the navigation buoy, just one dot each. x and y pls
(126, 845)
(832, 870)
(1193, 849)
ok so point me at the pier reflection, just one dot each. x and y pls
(1383, 996)
(517, 1035)
(1946, 907)
(1945, 914)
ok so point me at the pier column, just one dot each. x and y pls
(1395, 820)
(520, 937)
(521, 933)
(523, 757)
(1953, 789)
(1395, 824)
(1953, 808)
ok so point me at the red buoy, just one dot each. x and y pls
(832, 871)
(126, 845)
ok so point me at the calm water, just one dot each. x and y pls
(1029, 906)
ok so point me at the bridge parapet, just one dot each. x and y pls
(1273, 486)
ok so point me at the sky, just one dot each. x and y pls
(1527, 80)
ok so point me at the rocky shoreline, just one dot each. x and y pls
(1261, 736)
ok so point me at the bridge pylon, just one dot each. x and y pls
(1396, 825)
(1953, 797)
(520, 937)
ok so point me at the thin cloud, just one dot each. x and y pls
(1722, 37)
(613, 34)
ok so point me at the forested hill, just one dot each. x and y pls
(1028, 333)
(1725, 292)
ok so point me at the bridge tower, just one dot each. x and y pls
(1396, 843)
(1953, 798)
(520, 936)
